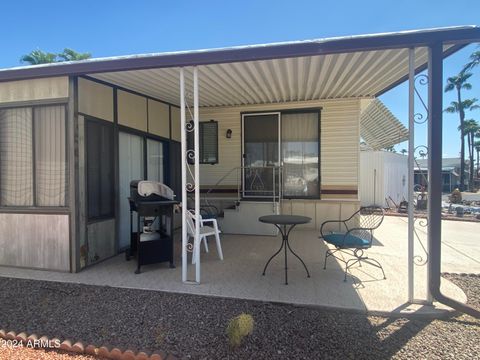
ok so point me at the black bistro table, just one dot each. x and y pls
(285, 223)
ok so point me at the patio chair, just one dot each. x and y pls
(356, 239)
(205, 231)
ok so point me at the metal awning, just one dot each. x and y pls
(340, 67)
(379, 128)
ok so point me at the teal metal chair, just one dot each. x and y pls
(357, 237)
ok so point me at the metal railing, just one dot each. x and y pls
(257, 186)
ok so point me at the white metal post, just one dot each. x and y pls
(184, 176)
(411, 154)
(197, 172)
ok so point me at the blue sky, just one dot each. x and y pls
(107, 28)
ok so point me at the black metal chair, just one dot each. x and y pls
(356, 239)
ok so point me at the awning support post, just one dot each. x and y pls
(190, 180)
(411, 155)
(196, 131)
(435, 94)
(184, 176)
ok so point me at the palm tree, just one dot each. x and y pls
(72, 55)
(390, 149)
(477, 148)
(471, 128)
(459, 83)
(474, 61)
(37, 57)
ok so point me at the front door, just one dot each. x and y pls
(261, 153)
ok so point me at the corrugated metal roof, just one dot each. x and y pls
(345, 75)
(379, 128)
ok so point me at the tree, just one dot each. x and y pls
(390, 149)
(37, 57)
(459, 83)
(477, 148)
(72, 55)
(471, 128)
(403, 151)
(474, 61)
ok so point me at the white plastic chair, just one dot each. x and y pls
(205, 231)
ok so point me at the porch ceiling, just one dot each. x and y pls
(342, 75)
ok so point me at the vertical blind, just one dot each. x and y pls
(50, 155)
(155, 160)
(300, 144)
(33, 156)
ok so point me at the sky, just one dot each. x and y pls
(109, 28)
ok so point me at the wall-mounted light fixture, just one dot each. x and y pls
(229, 134)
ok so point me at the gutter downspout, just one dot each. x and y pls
(435, 93)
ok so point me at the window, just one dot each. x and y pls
(33, 166)
(208, 135)
(100, 170)
(296, 144)
(300, 150)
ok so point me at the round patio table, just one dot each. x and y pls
(285, 223)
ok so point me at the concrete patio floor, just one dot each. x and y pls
(240, 274)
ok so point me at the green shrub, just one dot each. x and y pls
(239, 327)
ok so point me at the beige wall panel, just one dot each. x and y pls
(327, 211)
(176, 132)
(132, 110)
(286, 207)
(339, 140)
(348, 209)
(33, 90)
(158, 118)
(304, 208)
(95, 99)
(35, 241)
(101, 240)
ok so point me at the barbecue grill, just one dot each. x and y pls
(152, 242)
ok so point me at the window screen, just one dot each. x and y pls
(208, 135)
(100, 171)
(33, 161)
(50, 156)
(16, 157)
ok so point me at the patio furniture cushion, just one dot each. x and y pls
(348, 241)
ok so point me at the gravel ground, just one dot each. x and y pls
(190, 326)
(34, 354)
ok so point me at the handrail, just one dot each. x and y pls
(239, 170)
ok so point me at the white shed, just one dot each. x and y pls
(383, 175)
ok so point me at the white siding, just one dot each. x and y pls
(339, 140)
